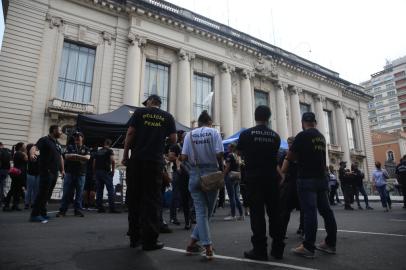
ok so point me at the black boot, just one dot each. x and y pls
(257, 256)
(277, 250)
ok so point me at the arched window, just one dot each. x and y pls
(390, 156)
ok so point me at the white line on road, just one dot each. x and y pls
(400, 220)
(372, 233)
(290, 266)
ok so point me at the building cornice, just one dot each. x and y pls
(193, 23)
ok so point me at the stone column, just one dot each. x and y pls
(226, 101)
(247, 112)
(281, 119)
(132, 88)
(342, 132)
(47, 76)
(295, 110)
(321, 122)
(183, 100)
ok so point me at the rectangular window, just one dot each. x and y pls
(351, 133)
(304, 108)
(391, 93)
(203, 87)
(328, 118)
(377, 97)
(381, 118)
(394, 115)
(262, 98)
(157, 82)
(393, 107)
(76, 73)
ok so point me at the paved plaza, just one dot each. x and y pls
(366, 240)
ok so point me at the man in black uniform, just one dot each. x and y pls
(50, 161)
(103, 170)
(359, 186)
(346, 179)
(309, 150)
(289, 199)
(401, 176)
(148, 128)
(77, 155)
(259, 146)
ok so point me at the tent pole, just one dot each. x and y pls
(116, 141)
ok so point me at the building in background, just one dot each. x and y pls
(62, 58)
(389, 148)
(387, 111)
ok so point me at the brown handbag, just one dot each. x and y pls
(211, 181)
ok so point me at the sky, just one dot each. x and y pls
(353, 38)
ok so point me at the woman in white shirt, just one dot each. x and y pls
(379, 177)
(209, 150)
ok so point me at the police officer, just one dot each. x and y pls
(259, 146)
(309, 150)
(76, 157)
(148, 129)
(346, 185)
(401, 176)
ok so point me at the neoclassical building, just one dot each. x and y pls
(61, 58)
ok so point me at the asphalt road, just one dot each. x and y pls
(366, 240)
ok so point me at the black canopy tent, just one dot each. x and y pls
(112, 125)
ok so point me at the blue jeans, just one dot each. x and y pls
(385, 198)
(204, 203)
(104, 178)
(32, 188)
(233, 191)
(313, 197)
(361, 189)
(72, 184)
(3, 178)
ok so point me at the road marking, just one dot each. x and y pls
(52, 212)
(372, 233)
(400, 220)
(290, 266)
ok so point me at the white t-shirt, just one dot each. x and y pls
(208, 144)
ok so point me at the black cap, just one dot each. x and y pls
(309, 117)
(77, 134)
(343, 162)
(153, 97)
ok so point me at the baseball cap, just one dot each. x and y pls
(153, 97)
(309, 117)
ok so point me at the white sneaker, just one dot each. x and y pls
(230, 218)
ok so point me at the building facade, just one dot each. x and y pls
(389, 148)
(387, 111)
(62, 58)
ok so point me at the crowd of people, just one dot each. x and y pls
(36, 168)
(271, 182)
